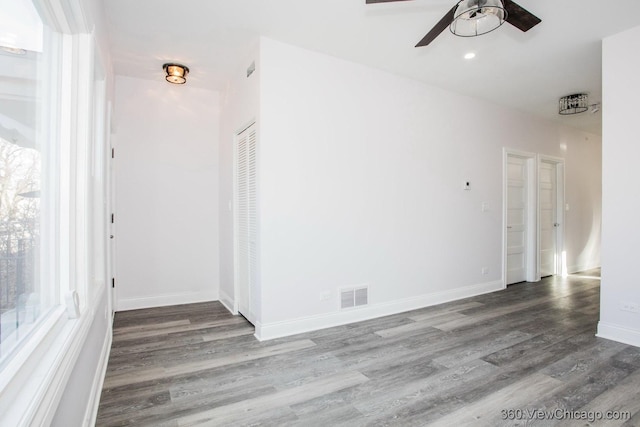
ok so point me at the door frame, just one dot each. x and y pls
(110, 216)
(531, 255)
(561, 264)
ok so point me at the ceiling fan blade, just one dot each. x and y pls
(519, 17)
(382, 1)
(438, 28)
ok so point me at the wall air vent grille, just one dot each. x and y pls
(361, 297)
(347, 299)
(354, 297)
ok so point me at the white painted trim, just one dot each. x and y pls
(227, 302)
(46, 363)
(68, 358)
(619, 333)
(113, 227)
(532, 201)
(93, 404)
(26, 375)
(37, 401)
(560, 212)
(167, 300)
(285, 328)
(533, 223)
(571, 269)
(61, 371)
(234, 215)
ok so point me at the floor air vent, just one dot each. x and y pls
(355, 297)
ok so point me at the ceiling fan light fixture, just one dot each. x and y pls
(176, 73)
(573, 104)
(477, 17)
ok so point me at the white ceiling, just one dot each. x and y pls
(527, 71)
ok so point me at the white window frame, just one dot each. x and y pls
(33, 381)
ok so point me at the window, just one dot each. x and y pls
(52, 193)
(28, 188)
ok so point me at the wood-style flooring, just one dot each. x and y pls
(529, 347)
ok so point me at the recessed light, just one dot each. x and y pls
(470, 55)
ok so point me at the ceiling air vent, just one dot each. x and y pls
(251, 69)
(354, 297)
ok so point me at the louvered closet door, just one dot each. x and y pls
(246, 219)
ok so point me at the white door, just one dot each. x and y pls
(245, 219)
(111, 250)
(516, 219)
(549, 223)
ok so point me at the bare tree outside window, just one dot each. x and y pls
(19, 240)
(30, 60)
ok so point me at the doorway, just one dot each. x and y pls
(533, 216)
(519, 217)
(551, 214)
(111, 210)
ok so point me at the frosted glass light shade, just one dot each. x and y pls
(476, 17)
(176, 73)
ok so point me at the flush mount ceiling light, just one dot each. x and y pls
(574, 104)
(176, 73)
(476, 17)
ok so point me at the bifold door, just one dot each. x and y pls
(245, 219)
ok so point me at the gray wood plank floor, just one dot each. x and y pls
(530, 347)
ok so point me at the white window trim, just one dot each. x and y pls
(33, 381)
(40, 375)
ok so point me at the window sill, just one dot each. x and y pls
(31, 385)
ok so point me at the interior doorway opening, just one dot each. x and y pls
(533, 217)
(551, 216)
(519, 217)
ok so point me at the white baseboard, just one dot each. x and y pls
(619, 333)
(166, 300)
(98, 380)
(227, 301)
(268, 331)
(577, 268)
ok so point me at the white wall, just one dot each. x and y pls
(166, 139)
(583, 186)
(240, 108)
(621, 204)
(361, 176)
